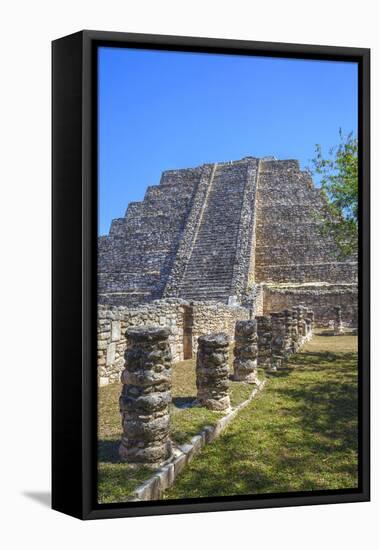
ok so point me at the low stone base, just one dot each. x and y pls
(154, 457)
(251, 378)
(222, 404)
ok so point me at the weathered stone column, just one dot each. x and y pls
(301, 325)
(146, 395)
(309, 316)
(212, 371)
(278, 328)
(295, 331)
(304, 310)
(288, 321)
(338, 326)
(246, 352)
(264, 340)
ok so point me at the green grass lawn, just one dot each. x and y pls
(299, 434)
(116, 480)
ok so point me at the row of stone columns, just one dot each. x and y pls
(282, 333)
(146, 391)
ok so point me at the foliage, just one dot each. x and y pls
(339, 183)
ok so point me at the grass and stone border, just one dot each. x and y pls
(165, 477)
(191, 425)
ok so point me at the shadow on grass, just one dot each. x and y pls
(302, 435)
(107, 450)
(282, 372)
(184, 402)
(317, 360)
(328, 402)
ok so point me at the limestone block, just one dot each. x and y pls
(116, 331)
(111, 354)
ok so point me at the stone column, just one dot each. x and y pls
(301, 325)
(311, 316)
(278, 328)
(288, 321)
(295, 331)
(264, 340)
(304, 310)
(338, 326)
(246, 352)
(212, 371)
(146, 395)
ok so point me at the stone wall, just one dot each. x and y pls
(113, 322)
(254, 298)
(209, 318)
(321, 298)
(185, 320)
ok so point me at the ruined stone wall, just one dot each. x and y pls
(321, 298)
(253, 299)
(289, 246)
(113, 322)
(209, 318)
(173, 313)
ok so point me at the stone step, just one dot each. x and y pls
(209, 271)
(211, 277)
(205, 289)
(204, 294)
(203, 262)
(204, 278)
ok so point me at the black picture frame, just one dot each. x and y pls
(74, 205)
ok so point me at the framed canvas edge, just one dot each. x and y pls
(86, 507)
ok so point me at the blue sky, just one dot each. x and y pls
(166, 110)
